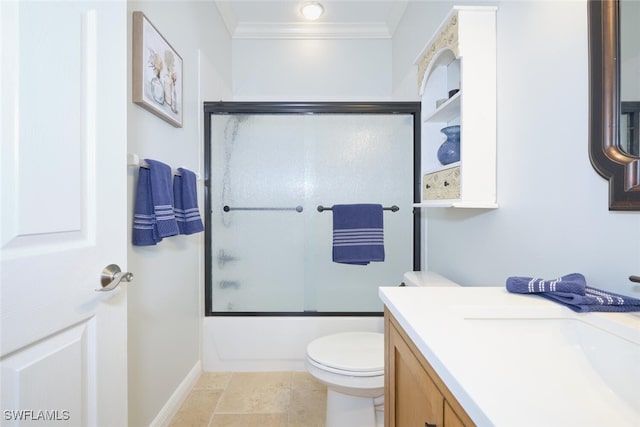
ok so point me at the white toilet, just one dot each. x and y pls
(351, 365)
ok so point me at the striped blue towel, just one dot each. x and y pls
(574, 283)
(153, 216)
(162, 195)
(594, 300)
(144, 221)
(185, 199)
(358, 236)
(572, 290)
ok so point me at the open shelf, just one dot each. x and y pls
(447, 112)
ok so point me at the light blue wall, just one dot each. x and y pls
(312, 70)
(553, 217)
(165, 301)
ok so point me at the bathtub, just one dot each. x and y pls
(256, 343)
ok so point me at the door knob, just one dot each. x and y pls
(111, 277)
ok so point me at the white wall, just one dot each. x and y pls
(553, 217)
(414, 30)
(165, 300)
(312, 70)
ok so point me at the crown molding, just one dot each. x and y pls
(239, 29)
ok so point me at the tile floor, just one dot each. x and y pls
(243, 399)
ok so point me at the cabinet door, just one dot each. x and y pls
(416, 399)
(450, 417)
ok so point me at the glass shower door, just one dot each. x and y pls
(271, 248)
(363, 158)
(257, 170)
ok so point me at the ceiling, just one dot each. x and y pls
(251, 19)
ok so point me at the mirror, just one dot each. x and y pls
(613, 130)
(630, 76)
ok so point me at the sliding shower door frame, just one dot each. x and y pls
(221, 107)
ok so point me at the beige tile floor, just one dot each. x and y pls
(243, 399)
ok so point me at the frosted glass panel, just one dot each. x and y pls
(281, 260)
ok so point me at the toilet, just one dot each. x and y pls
(351, 365)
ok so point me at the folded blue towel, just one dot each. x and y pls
(144, 230)
(358, 236)
(573, 283)
(572, 291)
(594, 300)
(185, 197)
(162, 195)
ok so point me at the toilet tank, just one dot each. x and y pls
(426, 278)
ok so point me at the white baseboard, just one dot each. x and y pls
(174, 403)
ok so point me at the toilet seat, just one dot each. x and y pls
(358, 354)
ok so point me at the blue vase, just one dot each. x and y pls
(449, 151)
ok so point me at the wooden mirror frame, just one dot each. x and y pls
(619, 168)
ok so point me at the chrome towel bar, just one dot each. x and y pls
(393, 208)
(228, 208)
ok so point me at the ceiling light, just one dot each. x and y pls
(312, 10)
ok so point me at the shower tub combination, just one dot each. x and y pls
(271, 172)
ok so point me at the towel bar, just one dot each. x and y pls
(133, 160)
(227, 208)
(393, 208)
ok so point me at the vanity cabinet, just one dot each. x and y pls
(457, 86)
(415, 396)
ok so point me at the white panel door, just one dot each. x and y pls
(63, 128)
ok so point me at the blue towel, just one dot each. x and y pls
(594, 300)
(162, 196)
(185, 198)
(144, 230)
(153, 216)
(573, 283)
(358, 236)
(572, 290)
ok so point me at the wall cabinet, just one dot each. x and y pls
(460, 57)
(415, 396)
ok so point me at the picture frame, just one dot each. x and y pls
(157, 72)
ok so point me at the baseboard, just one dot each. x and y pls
(174, 403)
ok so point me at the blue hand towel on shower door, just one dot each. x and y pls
(358, 236)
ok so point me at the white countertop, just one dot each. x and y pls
(521, 360)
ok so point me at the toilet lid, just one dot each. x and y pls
(350, 351)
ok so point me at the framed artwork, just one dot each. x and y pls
(157, 72)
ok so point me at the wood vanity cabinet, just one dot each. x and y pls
(415, 396)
